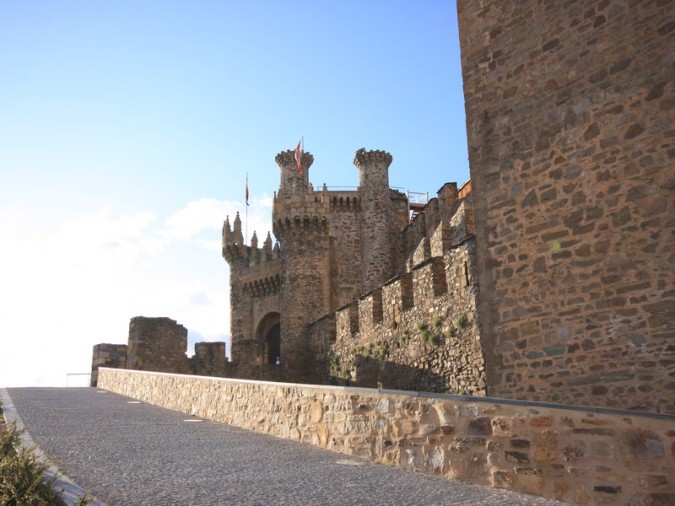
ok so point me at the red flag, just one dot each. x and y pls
(247, 188)
(298, 155)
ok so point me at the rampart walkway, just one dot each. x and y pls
(131, 453)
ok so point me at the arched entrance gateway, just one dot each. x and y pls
(269, 332)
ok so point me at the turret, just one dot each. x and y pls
(233, 241)
(376, 228)
(267, 248)
(227, 233)
(237, 236)
(300, 220)
(293, 180)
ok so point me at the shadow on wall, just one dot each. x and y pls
(370, 372)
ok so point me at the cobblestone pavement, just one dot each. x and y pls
(129, 453)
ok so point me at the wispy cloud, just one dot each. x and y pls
(197, 217)
(68, 286)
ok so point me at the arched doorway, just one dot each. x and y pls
(273, 344)
(269, 332)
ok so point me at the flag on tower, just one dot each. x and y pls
(247, 188)
(299, 150)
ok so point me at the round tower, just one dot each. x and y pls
(301, 226)
(294, 179)
(377, 250)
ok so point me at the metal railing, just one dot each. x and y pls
(77, 378)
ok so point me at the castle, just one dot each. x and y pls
(549, 277)
(335, 248)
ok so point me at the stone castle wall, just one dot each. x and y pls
(107, 355)
(420, 330)
(157, 344)
(160, 344)
(575, 455)
(209, 359)
(569, 110)
(345, 213)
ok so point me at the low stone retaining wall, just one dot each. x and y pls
(577, 455)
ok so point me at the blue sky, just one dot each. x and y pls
(127, 129)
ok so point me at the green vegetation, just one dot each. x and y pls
(22, 480)
(21, 473)
(462, 320)
(426, 336)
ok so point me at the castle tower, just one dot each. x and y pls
(244, 348)
(293, 181)
(301, 226)
(377, 253)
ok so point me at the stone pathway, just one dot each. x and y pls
(130, 453)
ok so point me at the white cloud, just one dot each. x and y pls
(196, 217)
(70, 286)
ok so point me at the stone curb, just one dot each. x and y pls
(70, 492)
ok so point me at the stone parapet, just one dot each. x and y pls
(419, 331)
(573, 454)
(445, 222)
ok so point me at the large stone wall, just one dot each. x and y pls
(569, 110)
(582, 456)
(418, 332)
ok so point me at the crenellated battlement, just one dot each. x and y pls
(417, 290)
(308, 212)
(294, 181)
(305, 223)
(256, 281)
(287, 159)
(344, 201)
(264, 286)
(424, 320)
(445, 222)
(235, 251)
(365, 158)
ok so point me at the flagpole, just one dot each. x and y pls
(246, 206)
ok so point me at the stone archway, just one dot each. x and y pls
(269, 332)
